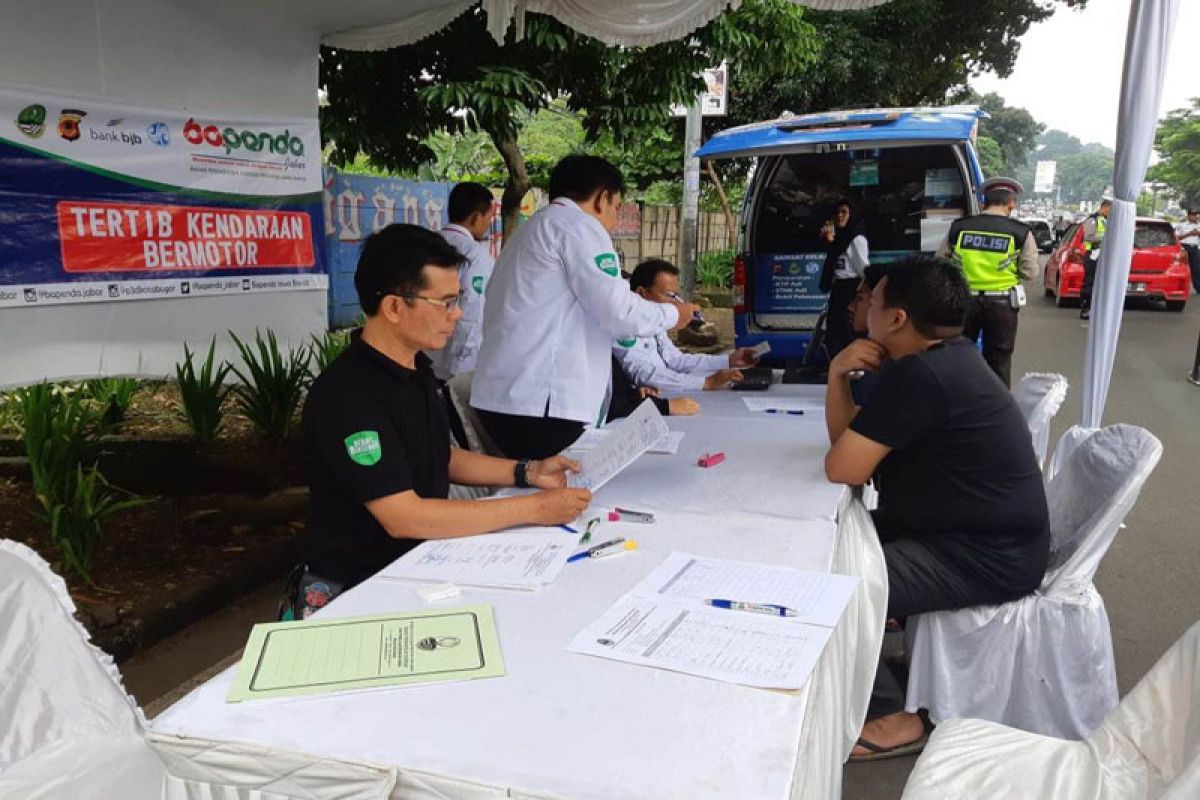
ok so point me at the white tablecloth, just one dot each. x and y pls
(566, 725)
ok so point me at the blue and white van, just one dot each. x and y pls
(909, 172)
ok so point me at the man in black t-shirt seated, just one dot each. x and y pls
(376, 435)
(962, 511)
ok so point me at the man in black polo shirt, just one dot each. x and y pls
(962, 512)
(376, 435)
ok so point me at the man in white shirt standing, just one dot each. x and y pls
(555, 305)
(471, 209)
(1188, 232)
(656, 361)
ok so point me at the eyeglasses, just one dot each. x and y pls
(448, 305)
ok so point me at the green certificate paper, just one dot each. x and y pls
(287, 659)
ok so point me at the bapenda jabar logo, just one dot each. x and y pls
(281, 144)
(31, 121)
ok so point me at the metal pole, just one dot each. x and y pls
(690, 212)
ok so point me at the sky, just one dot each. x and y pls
(1068, 70)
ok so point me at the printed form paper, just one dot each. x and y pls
(515, 559)
(592, 437)
(641, 430)
(818, 598)
(288, 659)
(737, 647)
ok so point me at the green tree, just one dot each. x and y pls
(1177, 142)
(1084, 176)
(991, 157)
(1013, 129)
(387, 104)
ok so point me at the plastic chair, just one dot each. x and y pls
(1043, 663)
(1147, 749)
(69, 729)
(1040, 395)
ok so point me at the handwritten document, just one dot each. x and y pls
(761, 651)
(318, 656)
(640, 431)
(521, 558)
(818, 598)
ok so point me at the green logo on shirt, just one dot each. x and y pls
(607, 262)
(627, 343)
(477, 284)
(364, 448)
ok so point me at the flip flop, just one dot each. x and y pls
(879, 753)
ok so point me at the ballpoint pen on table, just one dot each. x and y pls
(568, 529)
(756, 608)
(610, 548)
(589, 530)
(795, 412)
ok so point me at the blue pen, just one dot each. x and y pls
(755, 608)
(791, 412)
(568, 529)
(600, 550)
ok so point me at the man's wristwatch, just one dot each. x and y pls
(521, 474)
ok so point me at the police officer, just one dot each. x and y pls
(1094, 228)
(471, 209)
(996, 253)
(556, 303)
(376, 441)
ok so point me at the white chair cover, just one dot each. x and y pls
(1040, 395)
(1042, 663)
(851, 655)
(460, 395)
(67, 727)
(1147, 749)
(1071, 439)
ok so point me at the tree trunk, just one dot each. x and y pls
(730, 223)
(515, 188)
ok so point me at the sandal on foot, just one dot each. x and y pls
(879, 753)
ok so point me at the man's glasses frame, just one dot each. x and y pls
(447, 305)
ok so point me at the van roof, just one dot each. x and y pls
(948, 123)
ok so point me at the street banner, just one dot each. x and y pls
(104, 201)
(1043, 177)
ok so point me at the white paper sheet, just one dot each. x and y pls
(818, 598)
(515, 559)
(640, 431)
(754, 650)
(592, 437)
(783, 404)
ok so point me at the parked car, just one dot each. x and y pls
(1043, 234)
(1159, 270)
(910, 172)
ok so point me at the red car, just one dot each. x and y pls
(1159, 270)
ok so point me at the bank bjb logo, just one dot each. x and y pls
(281, 144)
(68, 123)
(159, 133)
(32, 121)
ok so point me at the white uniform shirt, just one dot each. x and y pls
(458, 356)
(656, 361)
(556, 302)
(1188, 233)
(854, 263)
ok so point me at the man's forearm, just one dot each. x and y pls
(839, 407)
(434, 518)
(476, 469)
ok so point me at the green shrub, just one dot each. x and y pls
(715, 268)
(202, 393)
(328, 347)
(76, 514)
(58, 429)
(272, 385)
(113, 396)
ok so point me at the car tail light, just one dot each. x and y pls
(1179, 263)
(1076, 257)
(739, 285)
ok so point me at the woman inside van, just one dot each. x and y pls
(845, 264)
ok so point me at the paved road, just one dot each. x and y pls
(1148, 579)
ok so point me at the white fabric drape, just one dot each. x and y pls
(1147, 43)
(628, 23)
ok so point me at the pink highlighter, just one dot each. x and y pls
(710, 459)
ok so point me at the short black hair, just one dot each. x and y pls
(874, 273)
(392, 260)
(467, 199)
(932, 290)
(999, 196)
(646, 273)
(578, 177)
